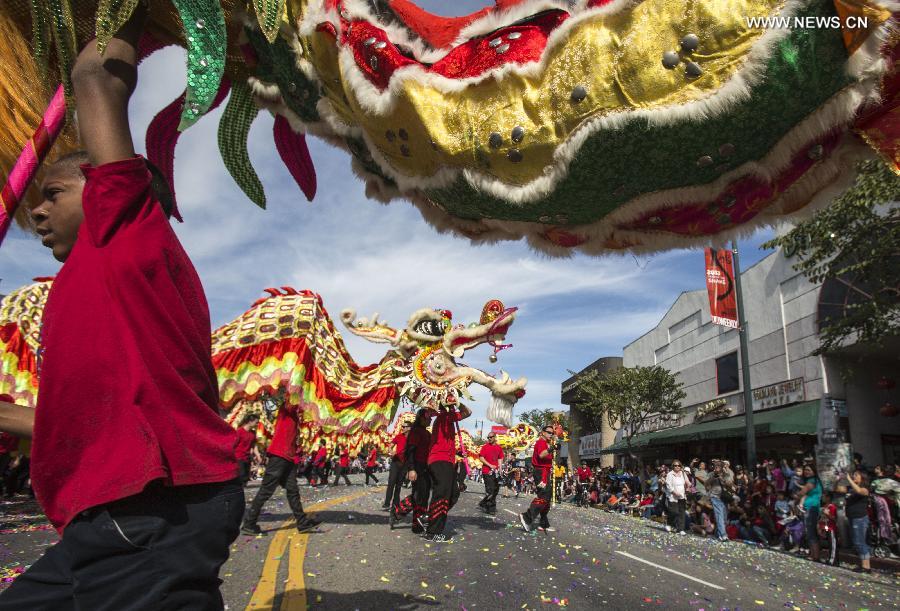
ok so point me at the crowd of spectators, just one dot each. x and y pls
(779, 503)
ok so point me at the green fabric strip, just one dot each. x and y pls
(234, 127)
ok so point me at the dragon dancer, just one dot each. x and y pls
(416, 456)
(442, 468)
(542, 462)
(491, 456)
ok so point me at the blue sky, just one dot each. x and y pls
(375, 258)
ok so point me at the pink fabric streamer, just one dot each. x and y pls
(30, 159)
(295, 155)
(163, 134)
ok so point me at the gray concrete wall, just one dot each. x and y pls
(781, 313)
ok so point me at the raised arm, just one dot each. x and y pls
(103, 86)
(16, 420)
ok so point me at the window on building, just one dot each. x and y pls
(727, 373)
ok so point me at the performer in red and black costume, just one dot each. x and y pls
(343, 466)
(442, 468)
(542, 462)
(418, 442)
(319, 464)
(491, 456)
(245, 448)
(281, 470)
(371, 464)
(398, 468)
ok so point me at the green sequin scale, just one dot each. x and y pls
(269, 13)
(207, 38)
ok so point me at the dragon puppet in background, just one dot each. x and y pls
(591, 125)
(286, 350)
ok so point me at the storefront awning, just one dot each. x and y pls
(800, 419)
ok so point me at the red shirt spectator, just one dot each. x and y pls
(490, 453)
(372, 456)
(244, 445)
(584, 474)
(420, 439)
(284, 440)
(443, 436)
(399, 442)
(142, 387)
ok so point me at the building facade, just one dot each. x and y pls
(799, 399)
(586, 443)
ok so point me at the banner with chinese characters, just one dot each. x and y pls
(720, 286)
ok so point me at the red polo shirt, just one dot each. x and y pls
(245, 442)
(399, 442)
(128, 393)
(541, 466)
(371, 462)
(8, 443)
(345, 459)
(443, 437)
(284, 439)
(584, 474)
(493, 454)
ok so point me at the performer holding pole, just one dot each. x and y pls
(491, 456)
(398, 467)
(442, 468)
(417, 444)
(281, 470)
(542, 462)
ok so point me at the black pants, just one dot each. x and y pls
(395, 479)
(491, 488)
(443, 482)
(244, 466)
(160, 549)
(540, 506)
(340, 472)
(5, 459)
(417, 500)
(675, 509)
(370, 472)
(279, 472)
(17, 477)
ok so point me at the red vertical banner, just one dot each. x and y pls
(720, 286)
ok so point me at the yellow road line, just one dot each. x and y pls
(295, 590)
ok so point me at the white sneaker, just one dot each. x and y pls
(681, 532)
(668, 528)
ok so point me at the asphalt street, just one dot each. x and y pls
(594, 559)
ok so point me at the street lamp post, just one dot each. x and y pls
(749, 431)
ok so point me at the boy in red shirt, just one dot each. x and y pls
(491, 458)
(245, 449)
(442, 468)
(398, 467)
(130, 460)
(319, 464)
(416, 457)
(542, 462)
(281, 470)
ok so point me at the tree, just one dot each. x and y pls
(539, 418)
(854, 241)
(628, 398)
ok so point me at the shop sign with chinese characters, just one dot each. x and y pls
(776, 395)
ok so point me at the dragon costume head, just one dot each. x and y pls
(428, 373)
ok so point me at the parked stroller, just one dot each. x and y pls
(884, 530)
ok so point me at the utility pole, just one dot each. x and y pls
(749, 430)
